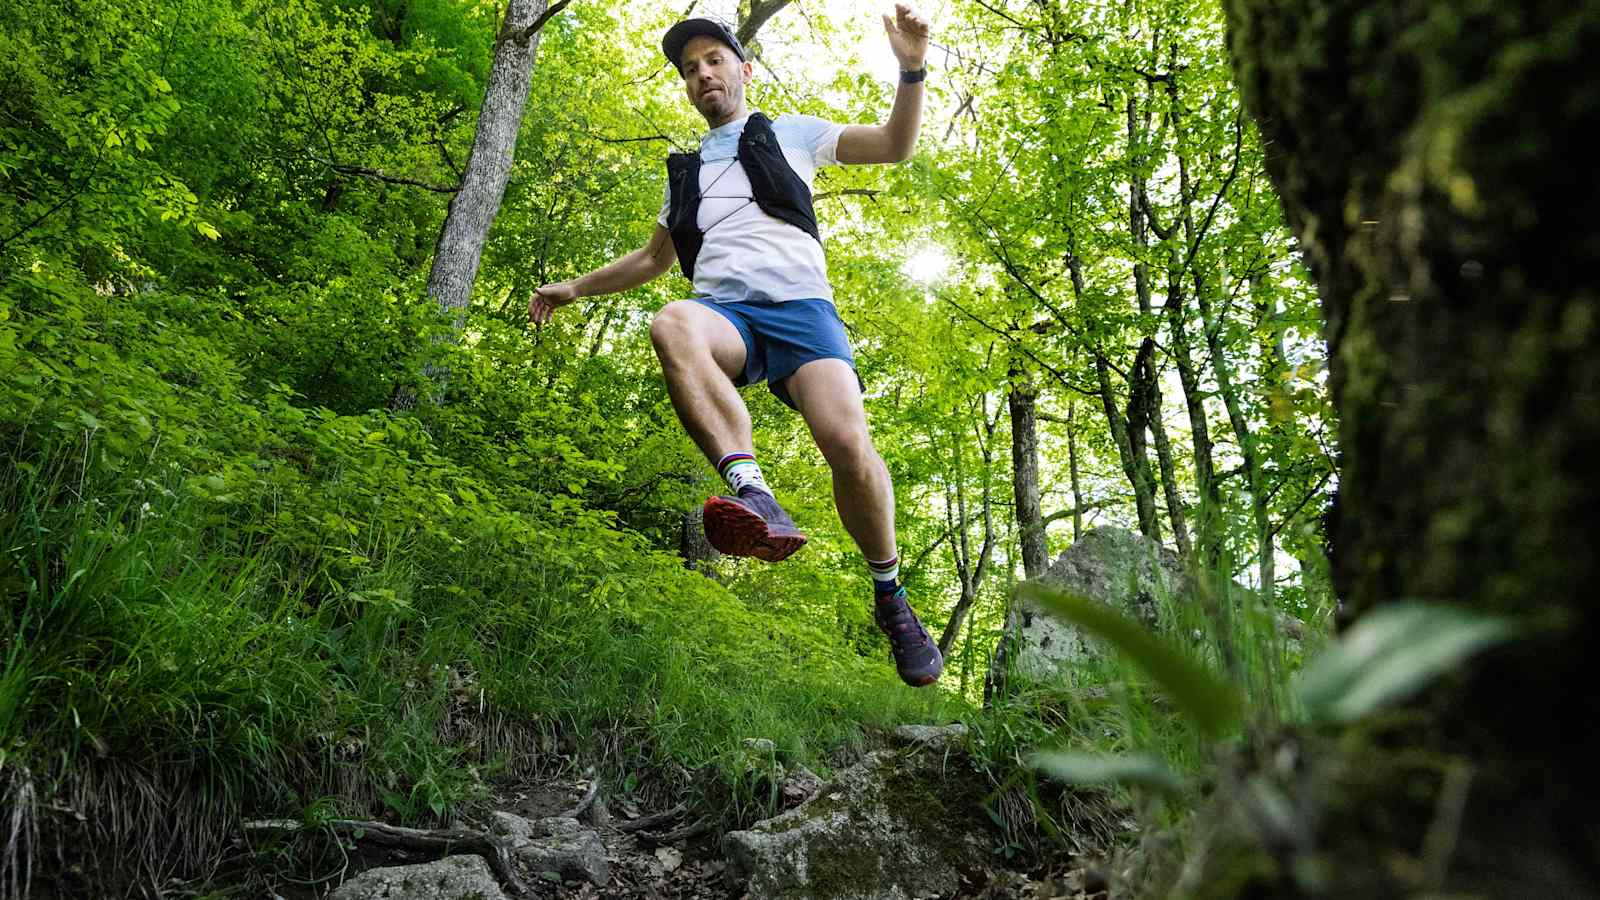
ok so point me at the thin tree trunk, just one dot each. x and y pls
(483, 181)
(969, 572)
(1025, 473)
(1145, 389)
(1135, 464)
(1072, 469)
(1209, 515)
(1148, 384)
(1222, 367)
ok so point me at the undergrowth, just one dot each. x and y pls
(222, 601)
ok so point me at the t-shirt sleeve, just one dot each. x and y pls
(666, 205)
(817, 136)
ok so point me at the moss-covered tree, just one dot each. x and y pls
(1430, 158)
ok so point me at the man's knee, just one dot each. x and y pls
(848, 448)
(672, 330)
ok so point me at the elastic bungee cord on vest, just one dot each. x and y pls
(703, 196)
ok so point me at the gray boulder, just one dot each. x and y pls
(898, 825)
(932, 737)
(556, 844)
(1114, 566)
(451, 878)
(1124, 570)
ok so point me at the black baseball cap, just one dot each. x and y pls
(678, 36)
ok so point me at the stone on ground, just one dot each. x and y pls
(1119, 568)
(555, 844)
(901, 824)
(451, 878)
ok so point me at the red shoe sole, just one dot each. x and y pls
(736, 531)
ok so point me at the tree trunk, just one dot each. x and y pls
(1222, 367)
(1144, 391)
(1208, 523)
(1428, 156)
(483, 182)
(1072, 469)
(488, 168)
(970, 572)
(696, 552)
(1025, 473)
(1135, 463)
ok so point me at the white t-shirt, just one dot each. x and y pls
(747, 254)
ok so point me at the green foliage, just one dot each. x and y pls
(223, 553)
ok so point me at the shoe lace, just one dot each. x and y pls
(765, 505)
(895, 618)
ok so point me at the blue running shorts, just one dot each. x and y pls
(781, 337)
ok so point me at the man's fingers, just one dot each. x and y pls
(888, 24)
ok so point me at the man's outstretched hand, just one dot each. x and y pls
(908, 36)
(547, 298)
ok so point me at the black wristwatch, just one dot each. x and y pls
(913, 77)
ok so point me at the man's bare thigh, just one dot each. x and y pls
(707, 328)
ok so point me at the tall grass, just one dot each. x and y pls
(173, 661)
(1140, 761)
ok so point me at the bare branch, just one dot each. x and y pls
(554, 9)
(380, 175)
(759, 14)
(631, 140)
(869, 193)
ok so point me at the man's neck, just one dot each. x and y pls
(736, 115)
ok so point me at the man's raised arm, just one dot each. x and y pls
(644, 264)
(894, 140)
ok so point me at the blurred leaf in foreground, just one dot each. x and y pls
(1138, 769)
(1200, 693)
(1393, 652)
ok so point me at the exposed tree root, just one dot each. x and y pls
(661, 818)
(496, 851)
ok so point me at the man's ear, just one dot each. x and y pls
(748, 69)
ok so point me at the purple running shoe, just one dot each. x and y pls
(916, 657)
(751, 524)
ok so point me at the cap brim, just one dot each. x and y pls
(679, 36)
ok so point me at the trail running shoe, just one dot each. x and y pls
(916, 657)
(751, 524)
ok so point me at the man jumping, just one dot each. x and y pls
(739, 221)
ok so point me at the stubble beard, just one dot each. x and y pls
(718, 110)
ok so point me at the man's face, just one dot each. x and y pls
(714, 78)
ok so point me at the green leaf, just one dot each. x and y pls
(1393, 652)
(1212, 703)
(207, 230)
(1137, 769)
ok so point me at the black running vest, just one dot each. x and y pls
(776, 188)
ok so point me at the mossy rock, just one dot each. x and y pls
(451, 878)
(900, 824)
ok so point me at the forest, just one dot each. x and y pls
(321, 557)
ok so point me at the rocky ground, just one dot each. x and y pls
(851, 837)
